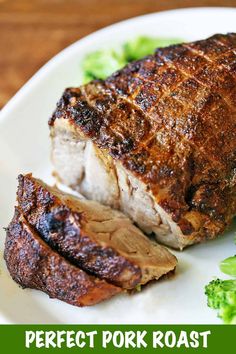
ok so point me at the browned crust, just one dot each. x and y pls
(171, 120)
(33, 264)
(64, 230)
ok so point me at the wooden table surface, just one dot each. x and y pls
(32, 31)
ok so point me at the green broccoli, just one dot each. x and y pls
(102, 63)
(143, 45)
(228, 266)
(222, 296)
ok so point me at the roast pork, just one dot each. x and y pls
(157, 140)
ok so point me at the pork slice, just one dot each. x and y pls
(159, 140)
(33, 264)
(99, 240)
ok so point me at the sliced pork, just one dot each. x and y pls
(33, 264)
(97, 239)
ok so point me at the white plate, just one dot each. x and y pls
(24, 147)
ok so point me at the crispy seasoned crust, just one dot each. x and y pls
(170, 119)
(96, 238)
(33, 264)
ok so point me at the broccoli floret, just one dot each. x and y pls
(102, 63)
(143, 45)
(222, 296)
(228, 266)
